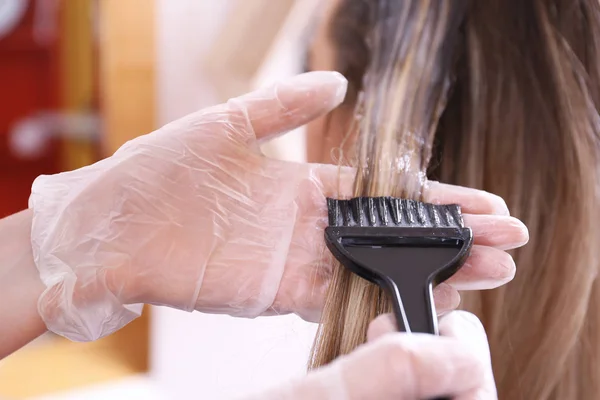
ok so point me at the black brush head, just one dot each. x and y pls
(392, 212)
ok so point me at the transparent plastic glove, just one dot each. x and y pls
(165, 219)
(192, 216)
(399, 366)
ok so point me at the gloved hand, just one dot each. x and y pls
(400, 366)
(193, 216)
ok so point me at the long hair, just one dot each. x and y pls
(500, 95)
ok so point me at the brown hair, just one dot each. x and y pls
(521, 120)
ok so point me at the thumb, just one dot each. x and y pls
(291, 103)
(467, 328)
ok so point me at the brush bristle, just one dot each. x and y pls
(392, 212)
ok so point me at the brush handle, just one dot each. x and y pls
(405, 262)
(412, 292)
(407, 278)
(423, 308)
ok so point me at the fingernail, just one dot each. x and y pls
(501, 232)
(498, 273)
(504, 269)
(446, 297)
(500, 206)
(518, 240)
(496, 202)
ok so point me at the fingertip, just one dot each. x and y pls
(325, 89)
(506, 263)
(500, 232)
(468, 330)
(334, 82)
(381, 326)
(461, 324)
(499, 206)
(292, 102)
(446, 298)
(523, 231)
(429, 366)
(486, 268)
(516, 233)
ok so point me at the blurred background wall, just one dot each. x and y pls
(80, 77)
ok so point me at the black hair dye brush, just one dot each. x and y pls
(404, 246)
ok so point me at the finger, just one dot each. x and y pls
(401, 366)
(467, 328)
(338, 182)
(446, 298)
(291, 103)
(382, 325)
(486, 268)
(497, 231)
(334, 181)
(464, 326)
(471, 201)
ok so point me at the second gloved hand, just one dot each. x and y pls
(401, 366)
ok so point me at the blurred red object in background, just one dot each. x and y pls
(29, 83)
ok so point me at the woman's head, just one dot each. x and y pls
(519, 119)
